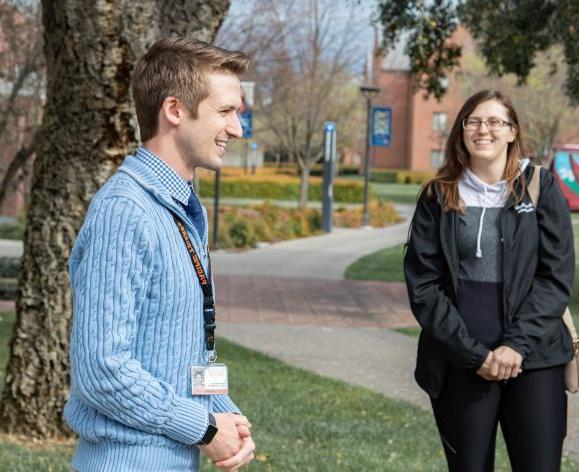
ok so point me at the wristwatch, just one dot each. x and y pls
(210, 433)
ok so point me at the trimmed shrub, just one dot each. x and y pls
(318, 171)
(9, 267)
(380, 214)
(14, 231)
(280, 188)
(246, 226)
(8, 289)
(400, 176)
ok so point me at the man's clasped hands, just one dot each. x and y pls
(232, 446)
(501, 364)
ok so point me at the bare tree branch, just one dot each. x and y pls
(9, 181)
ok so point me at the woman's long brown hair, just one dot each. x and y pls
(457, 159)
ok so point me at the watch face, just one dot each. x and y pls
(212, 420)
(211, 431)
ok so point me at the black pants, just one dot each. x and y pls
(531, 409)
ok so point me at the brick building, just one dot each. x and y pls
(21, 99)
(419, 125)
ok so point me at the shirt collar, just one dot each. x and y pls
(179, 189)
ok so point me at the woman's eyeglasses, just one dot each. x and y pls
(493, 124)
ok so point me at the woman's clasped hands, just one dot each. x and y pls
(501, 364)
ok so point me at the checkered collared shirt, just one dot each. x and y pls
(179, 189)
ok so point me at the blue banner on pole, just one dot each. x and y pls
(329, 126)
(246, 120)
(381, 126)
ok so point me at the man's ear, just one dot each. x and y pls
(171, 110)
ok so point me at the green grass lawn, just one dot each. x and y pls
(397, 193)
(301, 422)
(386, 265)
(6, 321)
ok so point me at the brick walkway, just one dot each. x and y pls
(316, 302)
(6, 305)
(312, 302)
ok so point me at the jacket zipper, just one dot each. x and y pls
(505, 314)
(450, 261)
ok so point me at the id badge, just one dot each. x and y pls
(210, 379)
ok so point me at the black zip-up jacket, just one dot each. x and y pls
(538, 272)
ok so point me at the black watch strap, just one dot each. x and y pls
(210, 432)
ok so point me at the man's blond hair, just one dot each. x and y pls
(178, 67)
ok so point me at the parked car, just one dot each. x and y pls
(565, 167)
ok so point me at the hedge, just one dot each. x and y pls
(13, 231)
(400, 176)
(8, 289)
(246, 226)
(318, 170)
(280, 188)
(9, 267)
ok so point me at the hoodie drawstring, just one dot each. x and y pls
(480, 225)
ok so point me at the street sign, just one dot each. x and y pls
(246, 120)
(329, 126)
(328, 182)
(381, 126)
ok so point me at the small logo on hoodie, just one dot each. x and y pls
(525, 208)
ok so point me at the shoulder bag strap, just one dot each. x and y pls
(534, 189)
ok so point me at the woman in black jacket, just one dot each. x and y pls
(489, 277)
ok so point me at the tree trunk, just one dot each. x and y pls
(304, 186)
(88, 127)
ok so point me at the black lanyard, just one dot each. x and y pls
(208, 301)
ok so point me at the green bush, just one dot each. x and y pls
(14, 231)
(8, 289)
(318, 170)
(246, 226)
(241, 234)
(348, 170)
(9, 267)
(383, 176)
(280, 188)
(400, 176)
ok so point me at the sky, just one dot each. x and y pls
(363, 10)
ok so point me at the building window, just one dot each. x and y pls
(439, 121)
(436, 158)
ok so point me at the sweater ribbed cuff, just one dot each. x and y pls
(224, 404)
(188, 421)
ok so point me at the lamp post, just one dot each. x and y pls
(369, 92)
(216, 196)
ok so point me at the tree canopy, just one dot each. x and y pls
(510, 34)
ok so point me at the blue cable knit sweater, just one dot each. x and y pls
(137, 328)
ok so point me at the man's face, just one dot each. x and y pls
(202, 141)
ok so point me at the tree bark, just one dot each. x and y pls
(88, 127)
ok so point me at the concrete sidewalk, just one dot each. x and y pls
(10, 248)
(322, 257)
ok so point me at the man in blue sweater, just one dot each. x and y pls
(146, 393)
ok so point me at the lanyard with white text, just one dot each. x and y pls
(208, 301)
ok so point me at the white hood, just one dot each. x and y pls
(476, 193)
